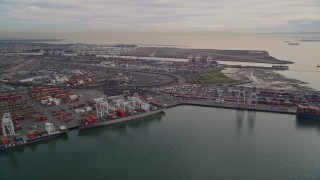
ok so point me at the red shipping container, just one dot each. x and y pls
(121, 112)
(4, 141)
(38, 118)
(43, 118)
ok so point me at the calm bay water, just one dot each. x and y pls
(185, 142)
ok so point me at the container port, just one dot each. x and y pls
(44, 95)
(31, 111)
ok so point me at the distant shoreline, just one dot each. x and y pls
(162, 51)
(30, 40)
(310, 40)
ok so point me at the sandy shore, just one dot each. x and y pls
(263, 78)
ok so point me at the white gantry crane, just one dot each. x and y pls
(190, 58)
(127, 105)
(209, 58)
(242, 97)
(220, 95)
(120, 104)
(103, 106)
(253, 100)
(135, 101)
(198, 58)
(118, 101)
(138, 103)
(153, 53)
(7, 125)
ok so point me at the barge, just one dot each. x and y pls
(295, 44)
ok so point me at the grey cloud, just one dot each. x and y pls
(51, 5)
(163, 14)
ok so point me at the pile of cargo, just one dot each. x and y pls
(20, 117)
(4, 140)
(312, 98)
(40, 118)
(10, 97)
(156, 104)
(62, 115)
(0, 126)
(112, 115)
(309, 112)
(80, 80)
(12, 102)
(17, 125)
(52, 96)
(22, 113)
(90, 119)
(121, 113)
(7, 139)
(32, 134)
(271, 97)
(79, 106)
(83, 108)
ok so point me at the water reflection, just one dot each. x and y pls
(251, 117)
(13, 161)
(307, 123)
(240, 116)
(123, 127)
(13, 153)
(251, 121)
(51, 143)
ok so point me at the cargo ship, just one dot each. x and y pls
(11, 140)
(280, 67)
(119, 120)
(308, 112)
(123, 110)
(296, 44)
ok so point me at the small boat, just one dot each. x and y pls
(293, 43)
(318, 66)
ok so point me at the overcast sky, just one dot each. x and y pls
(161, 15)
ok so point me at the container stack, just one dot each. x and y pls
(91, 119)
(52, 96)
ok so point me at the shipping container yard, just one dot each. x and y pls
(31, 110)
(27, 116)
(45, 94)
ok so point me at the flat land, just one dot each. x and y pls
(212, 77)
(264, 78)
(255, 56)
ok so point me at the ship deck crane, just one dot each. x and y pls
(7, 125)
